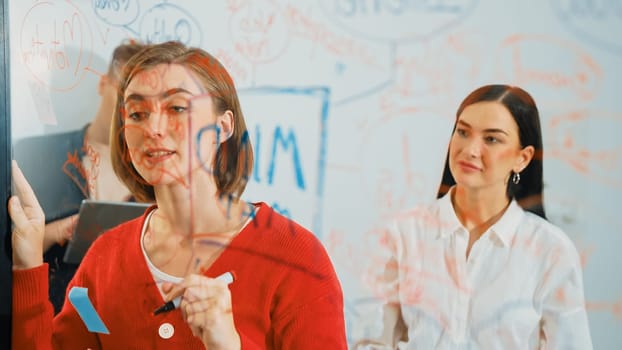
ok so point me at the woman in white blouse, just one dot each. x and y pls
(481, 267)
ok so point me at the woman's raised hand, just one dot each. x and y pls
(28, 223)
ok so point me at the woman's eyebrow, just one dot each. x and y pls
(494, 130)
(165, 94)
(174, 91)
(489, 130)
(463, 123)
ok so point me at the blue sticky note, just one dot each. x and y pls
(79, 298)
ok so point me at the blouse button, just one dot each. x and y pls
(166, 330)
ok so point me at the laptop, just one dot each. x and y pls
(94, 218)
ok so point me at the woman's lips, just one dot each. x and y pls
(158, 155)
(468, 166)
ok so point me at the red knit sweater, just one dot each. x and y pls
(286, 294)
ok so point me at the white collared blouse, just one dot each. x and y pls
(520, 288)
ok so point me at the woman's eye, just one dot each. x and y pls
(178, 109)
(491, 139)
(461, 132)
(137, 116)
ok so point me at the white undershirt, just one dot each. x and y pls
(159, 276)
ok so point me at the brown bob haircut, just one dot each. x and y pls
(234, 158)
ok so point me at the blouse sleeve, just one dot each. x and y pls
(564, 318)
(383, 322)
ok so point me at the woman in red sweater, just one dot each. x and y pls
(179, 138)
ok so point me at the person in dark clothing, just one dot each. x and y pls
(65, 168)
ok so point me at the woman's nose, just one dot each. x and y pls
(474, 148)
(157, 124)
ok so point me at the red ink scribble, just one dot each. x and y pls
(60, 44)
(577, 76)
(301, 24)
(93, 173)
(345, 255)
(89, 69)
(139, 159)
(334, 240)
(573, 143)
(585, 254)
(615, 307)
(528, 244)
(432, 73)
(236, 5)
(70, 26)
(86, 179)
(451, 265)
(104, 36)
(258, 31)
(398, 185)
(560, 295)
(383, 264)
(235, 68)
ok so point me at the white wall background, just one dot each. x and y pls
(350, 104)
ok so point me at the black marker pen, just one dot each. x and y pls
(227, 277)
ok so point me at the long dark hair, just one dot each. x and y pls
(528, 192)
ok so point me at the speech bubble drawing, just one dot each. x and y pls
(593, 21)
(397, 21)
(259, 31)
(578, 77)
(164, 22)
(116, 12)
(55, 39)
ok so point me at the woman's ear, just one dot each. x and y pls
(524, 157)
(226, 125)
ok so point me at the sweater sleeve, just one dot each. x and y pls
(310, 314)
(32, 312)
(33, 324)
(247, 343)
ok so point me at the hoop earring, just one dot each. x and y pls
(516, 178)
